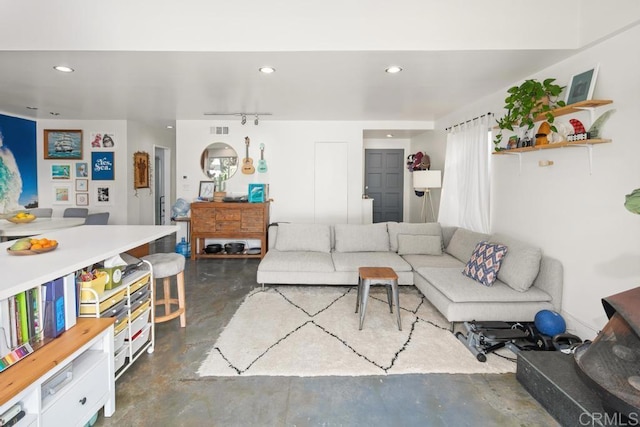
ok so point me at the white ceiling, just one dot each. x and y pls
(162, 87)
(159, 61)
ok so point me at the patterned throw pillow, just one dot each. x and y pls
(485, 262)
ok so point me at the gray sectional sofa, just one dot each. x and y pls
(425, 255)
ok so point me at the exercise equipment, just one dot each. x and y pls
(486, 337)
(550, 323)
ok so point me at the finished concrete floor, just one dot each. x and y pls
(163, 388)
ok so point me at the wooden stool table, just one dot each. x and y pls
(165, 266)
(377, 276)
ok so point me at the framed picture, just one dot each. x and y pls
(102, 140)
(62, 144)
(82, 185)
(140, 169)
(206, 190)
(61, 194)
(581, 86)
(102, 167)
(82, 170)
(103, 195)
(82, 199)
(513, 142)
(60, 172)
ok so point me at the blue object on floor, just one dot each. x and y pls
(550, 323)
(183, 248)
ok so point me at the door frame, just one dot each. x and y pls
(394, 144)
(166, 181)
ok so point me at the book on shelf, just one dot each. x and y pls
(54, 308)
(10, 413)
(23, 320)
(71, 307)
(5, 328)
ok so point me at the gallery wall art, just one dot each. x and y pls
(18, 164)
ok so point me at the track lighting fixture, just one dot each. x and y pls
(244, 120)
(255, 122)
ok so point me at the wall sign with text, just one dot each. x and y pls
(102, 167)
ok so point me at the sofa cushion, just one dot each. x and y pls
(351, 261)
(276, 260)
(484, 264)
(443, 261)
(521, 264)
(463, 242)
(303, 237)
(461, 289)
(397, 228)
(361, 237)
(411, 244)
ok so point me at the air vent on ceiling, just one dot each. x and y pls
(219, 130)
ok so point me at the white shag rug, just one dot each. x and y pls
(313, 331)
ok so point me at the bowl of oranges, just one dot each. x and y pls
(32, 246)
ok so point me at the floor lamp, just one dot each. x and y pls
(423, 181)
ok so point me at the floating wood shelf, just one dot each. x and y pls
(571, 108)
(552, 146)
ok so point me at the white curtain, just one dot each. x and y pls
(465, 185)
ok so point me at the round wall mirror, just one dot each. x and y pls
(219, 161)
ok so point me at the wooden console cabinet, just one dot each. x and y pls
(228, 221)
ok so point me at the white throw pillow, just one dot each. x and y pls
(397, 228)
(419, 244)
(303, 237)
(362, 238)
(520, 265)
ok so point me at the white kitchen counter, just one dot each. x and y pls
(78, 247)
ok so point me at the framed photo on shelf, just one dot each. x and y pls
(82, 185)
(61, 195)
(62, 144)
(60, 172)
(581, 86)
(82, 199)
(140, 170)
(206, 190)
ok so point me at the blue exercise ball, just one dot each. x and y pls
(550, 323)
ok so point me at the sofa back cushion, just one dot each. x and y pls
(361, 238)
(419, 244)
(521, 264)
(463, 243)
(397, 228)
(303, 237)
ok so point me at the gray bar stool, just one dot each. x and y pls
(377, 276)
(165, 266)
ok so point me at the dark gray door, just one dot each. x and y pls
(384, 183)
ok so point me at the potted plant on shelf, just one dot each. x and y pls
(527, 101)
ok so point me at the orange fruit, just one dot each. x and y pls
(42, 241)
(53, 242)
(36, 246)
(33, 241)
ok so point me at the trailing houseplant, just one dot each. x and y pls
(527, 101)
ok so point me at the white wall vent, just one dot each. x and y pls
(219, 130)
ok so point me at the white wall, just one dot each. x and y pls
(289, 154)
(117, 207)
(140, 203)
(434, 144)
(574, 215)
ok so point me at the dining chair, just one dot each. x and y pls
(42, 212)
(100, 218)
(75, 213)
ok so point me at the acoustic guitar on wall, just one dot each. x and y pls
(247, 162)
(262, 163)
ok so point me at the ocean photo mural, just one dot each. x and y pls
(18, 164)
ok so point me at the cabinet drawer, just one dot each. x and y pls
(121, 326)
(227, 226)
(228, 215)
(118, 341)
(140, 322)
(140, 339)
(80, 399)
(120, 357)
(108, 302)
(140, 283)
(139, 295)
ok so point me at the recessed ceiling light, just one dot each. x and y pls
(169, 127)
(32, 108)
(267, 70)
(63, 69)
(389, 135)
(393, 69)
